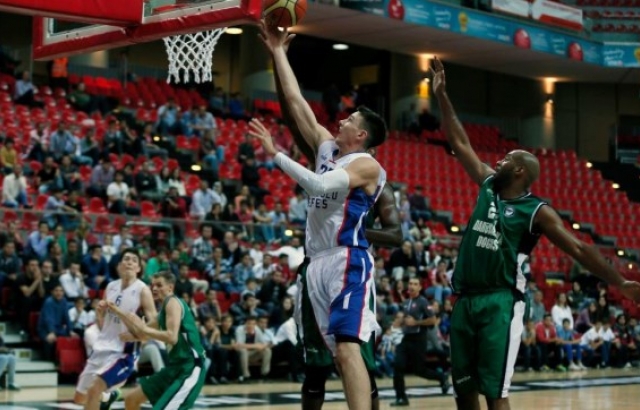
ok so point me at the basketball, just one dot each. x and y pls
(284, 13)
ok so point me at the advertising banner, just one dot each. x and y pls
(621, 55)
(516, 7)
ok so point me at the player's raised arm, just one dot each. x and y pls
(453, 129)
(549, 224)
(390, 233)
(361, 173)
(277, 42)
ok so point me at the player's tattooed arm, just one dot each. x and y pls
(453, 129)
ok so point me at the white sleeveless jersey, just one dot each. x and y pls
(338, 218)
(129, 301)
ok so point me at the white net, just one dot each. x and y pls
(192, 54)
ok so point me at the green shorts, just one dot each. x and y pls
(485, 338)
(315, 352)
(175, 387)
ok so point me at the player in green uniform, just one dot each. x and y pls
(178, 385)
(318, 361)
(487, 319)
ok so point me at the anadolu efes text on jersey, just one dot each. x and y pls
(338, 218)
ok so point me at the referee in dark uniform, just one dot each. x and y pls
(410, 354)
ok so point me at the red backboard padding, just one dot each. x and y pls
(113, 12)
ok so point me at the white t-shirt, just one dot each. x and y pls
(119, 191)
(560, 313)
(603, 334)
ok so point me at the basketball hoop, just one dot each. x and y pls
(192, 54)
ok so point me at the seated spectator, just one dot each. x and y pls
(210, 307)
(624, 341)
(124, 238)
(14, 189)
(162, 180)
(211, 153)
(62, 142)
(81, 100)
(48, 177)
(252, 348)
(603, 310)
(54, 321)
(251, 178)
(576, 298)
(215, 353)
(25, 91)
(88, 148)
(202, 200)
(440, 288)
(203, 121)
(176, 181)
(160, 262)
(8, 364)
(561, 311)
(108, 250)
(401, 262)
(283, 347)
(272, 291)
(38, 142)
(419, 205)
(265, 268)
(530, 348)
(597, 339)
(8, 156)
(228, 360)
(80, 319)
(56, 209)
(49, 277)
(169, 119)
(547, 339)
(71, 178)
(537, 308)
(118, 196)
(421, 232)
(146, 184)
(173, 206)
(10, 264)
(246, 150)
(570, 343)
(101, 176)
(72, 282)
(38, 241)
(217, 103)
(132, 144)
(265, 224)
(236, 107)
(298, 209)
(390, 341)
(202, 250)
(94, 268)
(241, 272)
(113, 138)
(151, 149)
(245, 308)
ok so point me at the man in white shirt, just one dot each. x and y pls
(124, 237)
(14, 189)
(252, 347)
(284, 347)
(118, 196)
(597, 339)
(73, 283)
(202, 200)
(298, 209)
(265, 268)
(80, 318)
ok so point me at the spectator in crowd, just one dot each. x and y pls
(31, 292)
(58, 73)
(132, 143)
(246, 149)
(203, 121)
(80, 319)
(94, 268)
(251, 177)
(89, 148)
(217, 103)
(547, 339)
(72, 283)
(123, 238)
(211, 344)
(14, 189)
(38, 241)
(597, 339)
(245, 308)
(173, 206)
(421, 233)
(419, 205)
(236, 107)
(71, 178)
(561, 311)
(210, 307)
(25, 91)
(151, 149)
(280, 222)
(530, 348)
(62, 142)
(624, 341)
(101, 176)
(169, 119)
(428, 121)
(73, 254)
(211, 153)
(265, 223)
(282, 312)
(118, 196)
(112, 140)
(283, 347)
(54, 321)
(8, 364)
(202, 200)
(56, 209)
(8, 156)
(38, 142)
(147, 184)
(81, 100)
(160, 262)
(202, 250)
(577, 298)
(10, 264)
(587, 317)
(401, 262)
(48, 177)
(228, 359)
(440, 288)
(537, 308)
(570, 343)
(242, 271)
(603, 310)
(49, 278)
(252, 348)
(265, 268)
(272, 292)
(298, 209)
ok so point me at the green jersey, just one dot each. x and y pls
(498, 240)
(188, 348)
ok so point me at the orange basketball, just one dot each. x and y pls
(284, 13)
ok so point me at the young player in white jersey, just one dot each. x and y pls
(343, 189)
(111, 361)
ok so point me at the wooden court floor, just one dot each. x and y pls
(587, 390)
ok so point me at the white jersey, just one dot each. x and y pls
(129, 301)
(338, 218)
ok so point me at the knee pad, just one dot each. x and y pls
(374, 385)
(314, 381)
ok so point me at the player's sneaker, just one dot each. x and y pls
(113, 397)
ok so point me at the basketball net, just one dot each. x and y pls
(193, 54)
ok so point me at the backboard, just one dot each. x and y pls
(115, 12)
(159, 18)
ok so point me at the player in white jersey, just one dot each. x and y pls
(111, 361)
(344, 187)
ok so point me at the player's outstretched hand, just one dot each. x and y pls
(259, 131)
(274, 38)
(631, 290)
(437, 72)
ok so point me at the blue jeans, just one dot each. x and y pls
(21, 199)
(438, 292)
(568, 352)
(604, 349)
(8, 363)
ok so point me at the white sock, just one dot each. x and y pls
(105, 397)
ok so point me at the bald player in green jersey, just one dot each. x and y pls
(318, 359)
(487, 319)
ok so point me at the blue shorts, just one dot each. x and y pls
(340, 284)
